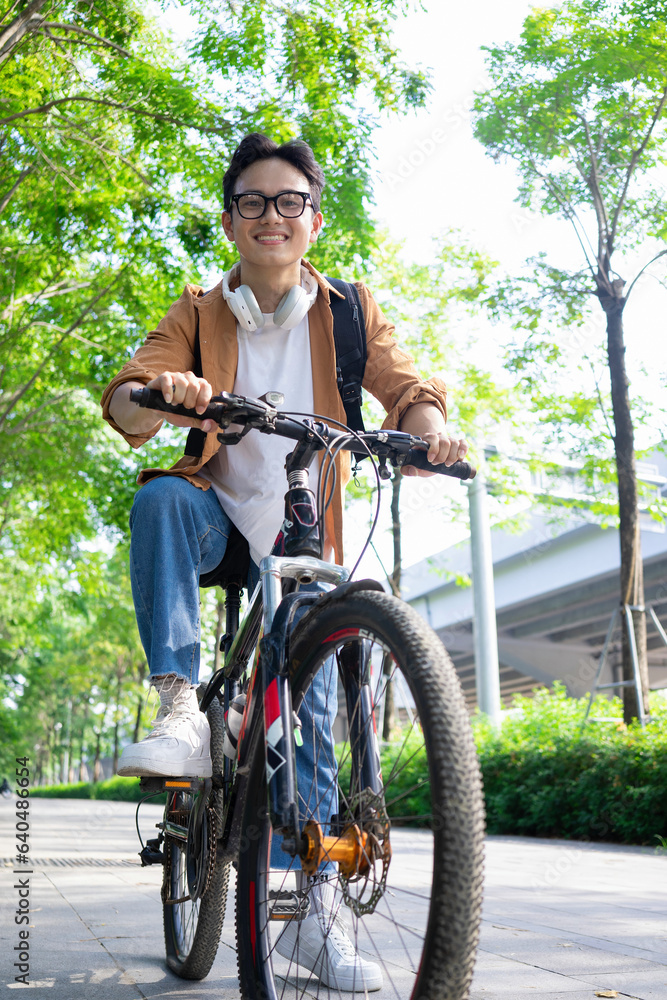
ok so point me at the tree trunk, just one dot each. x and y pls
(632, 576)
(82, 764)
(10, 37)
(116, 726)
(388, 715)
(141, 673)
(137, 721)
(82, 744)
(97, 768)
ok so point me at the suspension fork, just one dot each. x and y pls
(353, 842)
(355, 669)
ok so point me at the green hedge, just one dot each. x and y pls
(546, 776)
(115, 789)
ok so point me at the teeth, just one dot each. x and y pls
(271, 239)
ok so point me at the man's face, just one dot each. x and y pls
(272, 240)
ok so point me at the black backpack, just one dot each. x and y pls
(351, 352)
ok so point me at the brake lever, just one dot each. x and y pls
(233, 437)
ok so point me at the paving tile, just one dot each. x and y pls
(561, 919)
(555, 953)
(649, 985)
(503, 977)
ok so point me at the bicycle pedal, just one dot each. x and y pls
(286, 905)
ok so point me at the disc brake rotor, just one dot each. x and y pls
(370, 881)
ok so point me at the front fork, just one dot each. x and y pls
(354, 665)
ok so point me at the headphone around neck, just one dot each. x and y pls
(291, 309)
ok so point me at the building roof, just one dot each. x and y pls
(556, 588)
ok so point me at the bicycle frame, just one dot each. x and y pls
(268, 713)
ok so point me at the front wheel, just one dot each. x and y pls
(394, 738)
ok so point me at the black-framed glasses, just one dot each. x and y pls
(289, 204)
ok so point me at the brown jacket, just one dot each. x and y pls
(390, 374)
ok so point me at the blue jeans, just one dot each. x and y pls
(178, 532)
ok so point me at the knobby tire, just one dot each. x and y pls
(424, 930)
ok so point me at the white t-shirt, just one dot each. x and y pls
(249, 477)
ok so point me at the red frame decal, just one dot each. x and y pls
(271, 704)
(253, 918)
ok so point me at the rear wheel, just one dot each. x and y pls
(412, 804)
(194, 888)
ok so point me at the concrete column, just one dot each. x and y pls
(484, 628)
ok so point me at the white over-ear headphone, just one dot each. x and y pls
(291, 309)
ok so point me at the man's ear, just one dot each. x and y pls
(316, 228)
(228, 226)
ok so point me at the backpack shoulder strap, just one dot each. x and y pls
(194, 444)
(351, 349)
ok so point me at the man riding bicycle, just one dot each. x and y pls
(267, 325)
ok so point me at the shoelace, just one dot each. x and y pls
(164, 725)
(336, 932)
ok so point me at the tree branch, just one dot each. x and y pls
(84, 31)
(101, 148)
(600, 399)
(634, 160)
(60, 288)
(26, 21)
(10, 10)
(593, 183)
(61, 329)
(637, 276)
(154, 115)
(18, 396)
(563, 201)
(22, 426)
(8, 197)
(54, 166)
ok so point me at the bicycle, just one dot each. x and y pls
(401, 821)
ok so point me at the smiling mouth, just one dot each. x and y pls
(275, 238)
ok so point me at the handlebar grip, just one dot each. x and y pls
(459, 470)
(153, 399)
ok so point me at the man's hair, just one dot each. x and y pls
(256, 146)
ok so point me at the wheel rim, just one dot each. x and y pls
(183, 917)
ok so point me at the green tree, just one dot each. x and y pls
(75, 666)
(431, 306)
(579, 105)
(113, 144)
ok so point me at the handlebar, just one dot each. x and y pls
(398, 447)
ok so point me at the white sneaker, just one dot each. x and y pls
(179, 744)
(320, 943)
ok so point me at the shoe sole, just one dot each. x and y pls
(187, 770)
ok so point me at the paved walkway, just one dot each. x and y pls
(562, 920)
